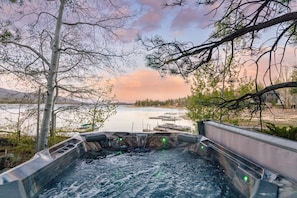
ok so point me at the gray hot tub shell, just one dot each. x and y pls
(251, 178)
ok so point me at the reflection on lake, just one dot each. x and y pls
(128, 118)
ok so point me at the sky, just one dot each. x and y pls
(148, 84)
(189, 23)
(186, 23)
(139, 82)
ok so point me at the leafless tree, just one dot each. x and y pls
(59, 44)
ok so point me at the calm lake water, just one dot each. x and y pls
(128, 118)
(136, 119)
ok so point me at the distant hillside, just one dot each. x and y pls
(11, 96)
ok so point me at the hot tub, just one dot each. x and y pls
(40, 174)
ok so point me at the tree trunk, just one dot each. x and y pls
(53, 69)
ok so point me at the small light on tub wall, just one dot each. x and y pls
(164, 140)
(245, 178)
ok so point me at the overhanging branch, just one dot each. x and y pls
(233, 104)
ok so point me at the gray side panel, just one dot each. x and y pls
(13, 189)
(276, 154)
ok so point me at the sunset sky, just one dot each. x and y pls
(147, 84)
(186, 23)
(189, 23)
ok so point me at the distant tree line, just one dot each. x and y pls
(180, 102)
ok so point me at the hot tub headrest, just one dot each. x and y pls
(187, 138)
(95, 137)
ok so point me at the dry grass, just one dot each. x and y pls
(278, 116)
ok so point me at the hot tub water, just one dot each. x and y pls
(163, 173)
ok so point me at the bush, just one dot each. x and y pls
(289, 132)
(22, 147)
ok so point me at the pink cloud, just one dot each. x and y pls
(127, 35)
(152, 15)
(150, 21)
(191, 15)
(147, 84)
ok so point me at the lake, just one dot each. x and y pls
(128, 118)
(135, 119)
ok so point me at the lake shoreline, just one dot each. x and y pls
(162, 106)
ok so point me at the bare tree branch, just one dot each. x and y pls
(233, 104)
(30, 48)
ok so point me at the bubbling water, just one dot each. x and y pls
(164, 173)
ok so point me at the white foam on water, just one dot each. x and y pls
(166, 173)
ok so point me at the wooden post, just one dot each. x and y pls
(38, 117)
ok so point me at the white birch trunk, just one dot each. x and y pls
(53, 69)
